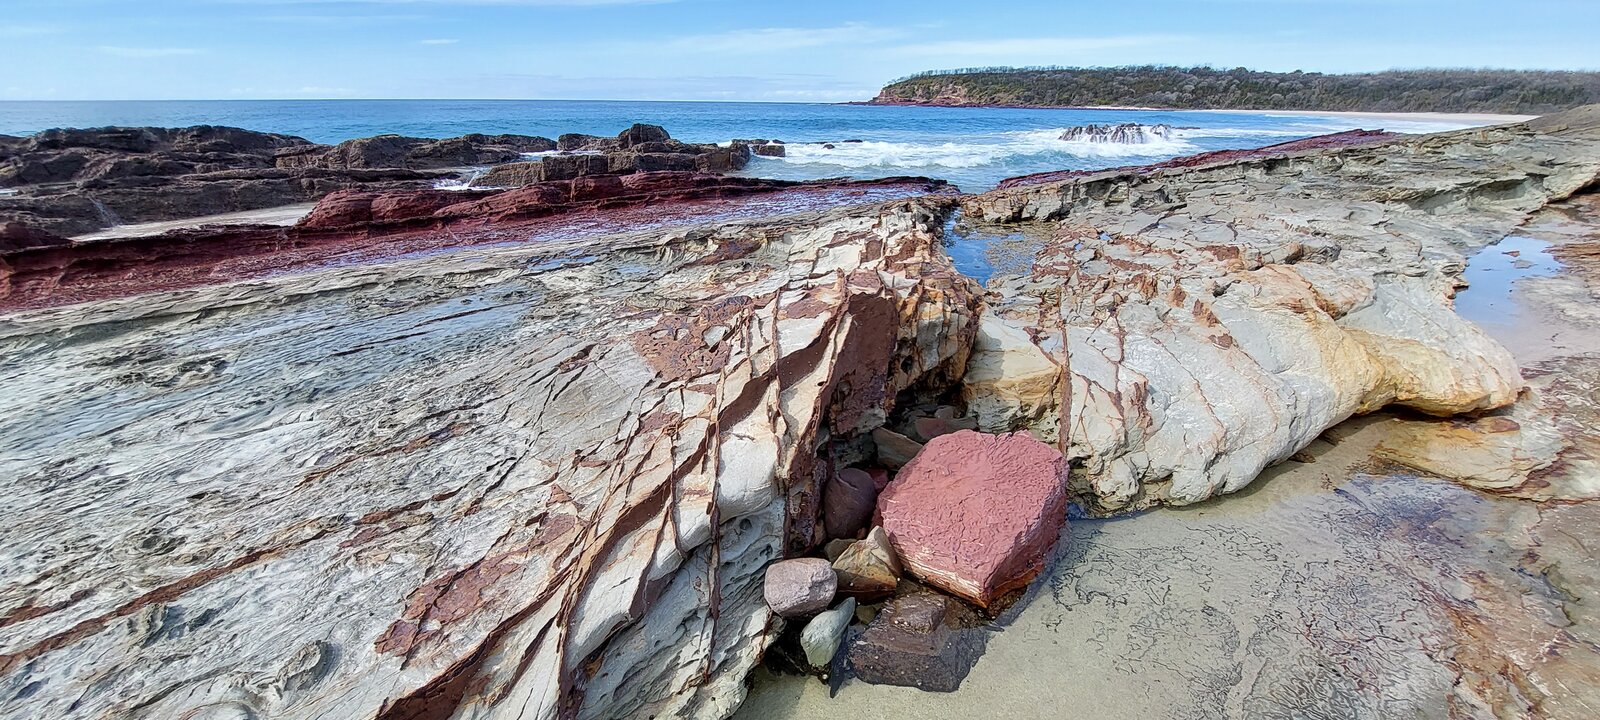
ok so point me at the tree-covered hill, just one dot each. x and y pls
(1482, 91)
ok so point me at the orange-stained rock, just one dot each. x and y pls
(976, 515)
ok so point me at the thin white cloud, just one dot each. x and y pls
(760, 41)
(441, 41)
(534, 3)
(14, 30)
(323, 91)
(147, 52)
(347, 19)
(1028, 50)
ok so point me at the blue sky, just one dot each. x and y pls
(821, 50)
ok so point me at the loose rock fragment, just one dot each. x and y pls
(847, 503)
(894, 449)
(800, 587)
(977, 514)
(869, 569)
(822, 635)
(918, 641)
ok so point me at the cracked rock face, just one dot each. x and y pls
(976, 515)
(1184, 329)
(494, 482)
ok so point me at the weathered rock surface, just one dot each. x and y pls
(800, 587)
(398, 151)
(1207, 320)
(923, 640)
(72, 182)
(894, 449)
(977, 515)
(641, 148)
(75, 181)
(442, 474)
(822, 635)
(868, 569)
(848, 500)
(558, 212)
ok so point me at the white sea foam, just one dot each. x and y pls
(982, 151)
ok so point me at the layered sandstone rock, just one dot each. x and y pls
(495, 480)
(639, 149)
(1190, 324)
(977, 515)
(71, 182)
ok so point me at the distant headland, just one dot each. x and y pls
(1179, 88)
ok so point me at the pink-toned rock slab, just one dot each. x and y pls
(976, 515)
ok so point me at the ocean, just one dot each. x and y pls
(974, 148)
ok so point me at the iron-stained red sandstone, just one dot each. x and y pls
(976, 514)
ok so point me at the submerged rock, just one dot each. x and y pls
(976, 515)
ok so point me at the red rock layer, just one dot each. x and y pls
(357, 227)
(976, 515)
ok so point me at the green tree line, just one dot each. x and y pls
(1433, 90)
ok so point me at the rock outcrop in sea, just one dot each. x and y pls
(1121, 134)
(71, 182)
(557, 451)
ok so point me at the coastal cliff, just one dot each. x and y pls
(530, 453)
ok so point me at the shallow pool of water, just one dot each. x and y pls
(1492, 274)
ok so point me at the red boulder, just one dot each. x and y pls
(977, 515)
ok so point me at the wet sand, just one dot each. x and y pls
(1349, 586)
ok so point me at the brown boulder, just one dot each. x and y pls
(510, 175)
(799, 587)
(924, 640)
(975, 514)
(640, 134)
(894, 449)
(345, 207)
(848, 500)
(579, 141)
(21, 236)
(868, 569)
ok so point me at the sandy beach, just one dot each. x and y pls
(1468, 118)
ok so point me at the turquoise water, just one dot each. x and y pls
(972, 147)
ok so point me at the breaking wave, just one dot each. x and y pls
(1001, 149)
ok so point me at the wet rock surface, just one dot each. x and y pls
(641, 148)
(923, 640)
(1121, 134)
